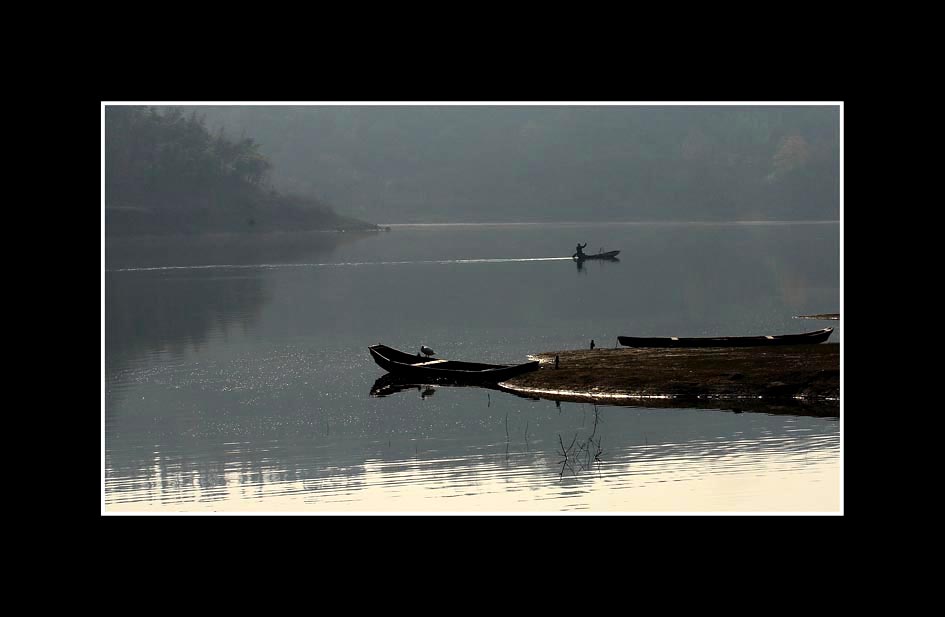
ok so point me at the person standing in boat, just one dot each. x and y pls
(579, 249)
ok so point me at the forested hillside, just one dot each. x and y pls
(166, 173)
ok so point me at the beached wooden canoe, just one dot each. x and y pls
(401, 363)
(817, 336)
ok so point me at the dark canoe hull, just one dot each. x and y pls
(607, 255)
(415, 367)
(806, 338)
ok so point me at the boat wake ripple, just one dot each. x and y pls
(339, 264)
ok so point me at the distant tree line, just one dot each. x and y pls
(165, 172)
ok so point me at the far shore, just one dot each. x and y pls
(602, 223)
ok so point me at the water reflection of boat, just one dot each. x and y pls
(393, 384)
(806, 338)
(401, 363)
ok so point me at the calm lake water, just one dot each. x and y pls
(236, 377)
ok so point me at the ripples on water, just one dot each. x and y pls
(773, 464)
(707, 478)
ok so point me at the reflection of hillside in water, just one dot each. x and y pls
(167, 312)
(158, 292)
(221, 249)
(161, 298)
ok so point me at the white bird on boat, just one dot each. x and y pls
(427, 350)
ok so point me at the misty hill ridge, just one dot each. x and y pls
(165, 173)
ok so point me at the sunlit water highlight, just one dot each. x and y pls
(790, 474)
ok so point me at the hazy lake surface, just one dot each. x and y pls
(237, 377)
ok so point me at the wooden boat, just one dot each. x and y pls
(401, 363)
(806, 338)
(585, 256)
